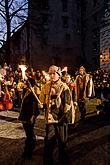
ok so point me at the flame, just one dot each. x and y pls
(65, 69)
(47, 77)
(23, 69)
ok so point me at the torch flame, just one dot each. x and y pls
(47, 77)
(65, 69)
(23, 69)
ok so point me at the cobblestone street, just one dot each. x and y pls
(88, 142)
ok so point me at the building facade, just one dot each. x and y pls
(61, 32)
(105, 39)
(92, 12)
(55, 33)
(18, 47)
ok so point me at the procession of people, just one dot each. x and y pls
(56, 93)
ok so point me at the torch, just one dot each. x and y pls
(46, 75)
(23, 69)
(65, 69)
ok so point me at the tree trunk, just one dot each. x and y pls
(8, 33)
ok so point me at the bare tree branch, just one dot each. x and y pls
(2, 4)
(11, 3)
(12, 15)
(2, 15)
(15, 29)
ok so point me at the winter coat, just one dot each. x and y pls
(57, 98)
(29, 107)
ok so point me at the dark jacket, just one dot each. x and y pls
(29, 107)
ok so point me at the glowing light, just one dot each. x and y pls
(23, 69)
(65, 69)
(47, 77)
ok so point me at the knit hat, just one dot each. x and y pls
(55, 69)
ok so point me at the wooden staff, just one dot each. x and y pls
(30, 86)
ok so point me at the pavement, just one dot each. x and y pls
(88, 142)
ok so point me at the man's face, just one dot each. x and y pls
(68, 79)
(81, 71)
(54, 76)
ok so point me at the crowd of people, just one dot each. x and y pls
(11, 82)
(57, 94)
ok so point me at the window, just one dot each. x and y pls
(95, 47)
(95, 18)
(95, 2)
(64, 5)
(65, 21)
(45, 4)
(45, 19)
(38, 4)
(78, 6)
(67, 37)
(96, 33)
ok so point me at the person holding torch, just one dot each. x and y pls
(56, 97)
(28, 113)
